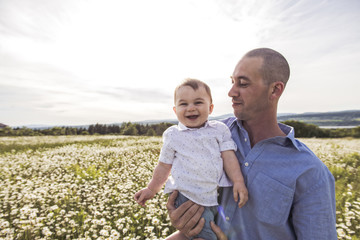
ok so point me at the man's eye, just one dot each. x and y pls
(243, 84)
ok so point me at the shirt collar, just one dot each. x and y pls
(182, 127)
(290, 134)
(232, 121)
(288, 130)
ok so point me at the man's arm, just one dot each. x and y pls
(187, 217)
(313, 213)
(177, 236)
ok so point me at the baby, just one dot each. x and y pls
(196, 152)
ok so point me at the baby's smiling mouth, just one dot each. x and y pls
(192, 116)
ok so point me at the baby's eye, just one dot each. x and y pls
(183, 104)
(199, 102)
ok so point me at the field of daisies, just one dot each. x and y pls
(82, 187)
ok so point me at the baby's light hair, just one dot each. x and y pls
(194, 84)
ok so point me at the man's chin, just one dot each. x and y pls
(239, 115)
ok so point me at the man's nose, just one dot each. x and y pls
(232, 92)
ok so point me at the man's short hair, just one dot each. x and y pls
(274, 67)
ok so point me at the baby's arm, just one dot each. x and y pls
(232, 169)
(161, 174)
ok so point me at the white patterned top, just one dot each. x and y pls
(195, 154)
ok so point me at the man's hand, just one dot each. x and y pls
(220, 234)
(185, 218)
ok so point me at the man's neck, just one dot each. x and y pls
(261, 129)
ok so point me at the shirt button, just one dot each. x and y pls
(245, 139)
(246, 164)
(227, 218)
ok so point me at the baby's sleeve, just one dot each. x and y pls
(167, 153)
(226, 142)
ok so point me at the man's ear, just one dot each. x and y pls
(277, 89)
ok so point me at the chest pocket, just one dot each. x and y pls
(270, 200)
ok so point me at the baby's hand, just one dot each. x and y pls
(143, 195)
(239, 189)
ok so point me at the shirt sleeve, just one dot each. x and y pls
(167, 153)
(226, 143)
(313, 213)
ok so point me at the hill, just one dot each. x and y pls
(330, 119)
(348, 118)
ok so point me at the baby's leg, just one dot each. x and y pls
(208, 214)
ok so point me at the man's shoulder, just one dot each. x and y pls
(303, 152)
(314, 165)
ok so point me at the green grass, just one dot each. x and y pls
(82, 187)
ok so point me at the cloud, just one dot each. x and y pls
(105, 60)
(137, 94)
(35, 19)
(20, 73)
(320, 39)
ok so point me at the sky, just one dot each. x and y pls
(66, 62)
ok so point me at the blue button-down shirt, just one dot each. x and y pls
(291, 192)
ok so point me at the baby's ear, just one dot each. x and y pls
(174, 108)
(211, 108)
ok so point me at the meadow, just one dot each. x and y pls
(82, 187)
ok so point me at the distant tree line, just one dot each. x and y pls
(127, 128)
(302, 130)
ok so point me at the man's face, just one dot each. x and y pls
(248, 92)
(192, 107)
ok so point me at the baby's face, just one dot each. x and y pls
(192, 107)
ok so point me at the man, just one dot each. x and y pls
(291, 192)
